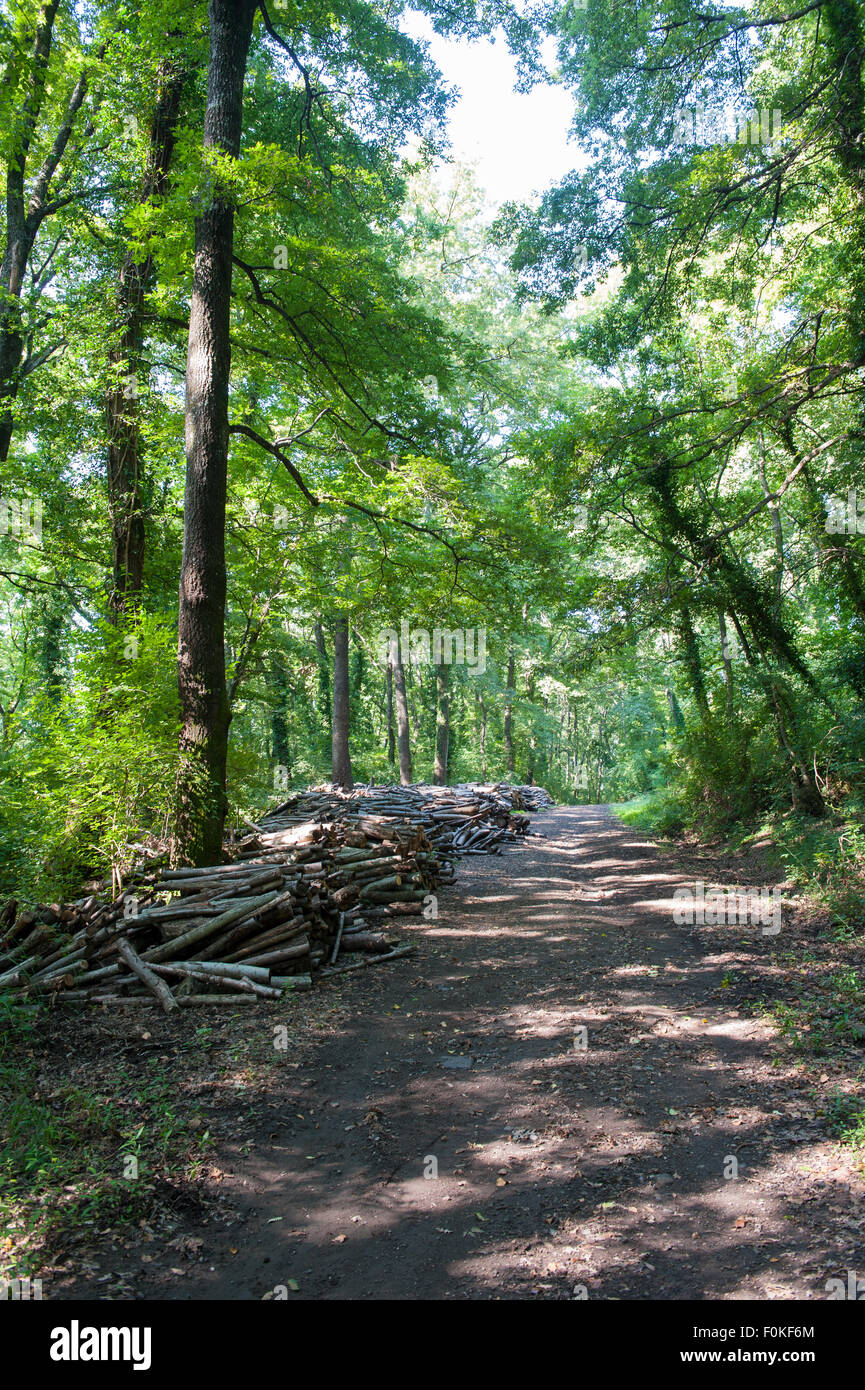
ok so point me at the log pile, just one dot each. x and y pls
(319, 879)
(471, 818)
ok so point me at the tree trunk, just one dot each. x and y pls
(403, 732)
(391, 735)
(777, 533)
(483, 710)
(691, 652)
(125, 502)
(54, 622)
(278, 714)
(805, 794)
(323, 670)
(509, 713)
(728, 667)
(443, 715)
(201, 622)
(415, 696)
(533, 742)
(20, 228)
(843, 32)
(340, 773)
(25, 214)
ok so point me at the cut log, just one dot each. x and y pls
(156, 986)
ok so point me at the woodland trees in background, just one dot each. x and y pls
(258, 351)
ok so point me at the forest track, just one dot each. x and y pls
(562, 1172)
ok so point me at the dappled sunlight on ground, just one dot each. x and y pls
(552, 1098)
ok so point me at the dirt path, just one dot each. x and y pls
(562, 1172)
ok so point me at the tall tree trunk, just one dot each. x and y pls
(25, 214)
(728, 666)
(201, 621)
(845, 43)
(324, 685)
(403, 731)
(675, 712)
(124, 429)
(533, 741)
(278, 713)
(340, 773)
(691, 653)
(443, 717)
(391, 734)
(414, 683)
(567, 743)
(20, 229)
(509, 713)
(324, 736)
(805, 794)
(54, 622)
(483, 740)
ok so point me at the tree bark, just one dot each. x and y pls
(341, 774)
(728, 667)
(391, 735)
(844, 41)
(124, 431)
(509, 713)
(805, 794)
(26, 213)
(201, 620)
(691, 653)
(20, 229)
(403, 730)
(280, 750)
(530, 695)
(323, 670)
(443, 716)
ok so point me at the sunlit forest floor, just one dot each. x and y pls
(436, 1129)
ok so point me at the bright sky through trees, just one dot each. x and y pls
(518, 141)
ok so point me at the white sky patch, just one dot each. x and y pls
(518, 142)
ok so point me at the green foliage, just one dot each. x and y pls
(87, 778)
(656, 813)
(826, 861)
(847, 1120)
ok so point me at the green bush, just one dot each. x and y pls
(88, 776)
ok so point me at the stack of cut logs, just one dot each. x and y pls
(317, 880)
(470, 818)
